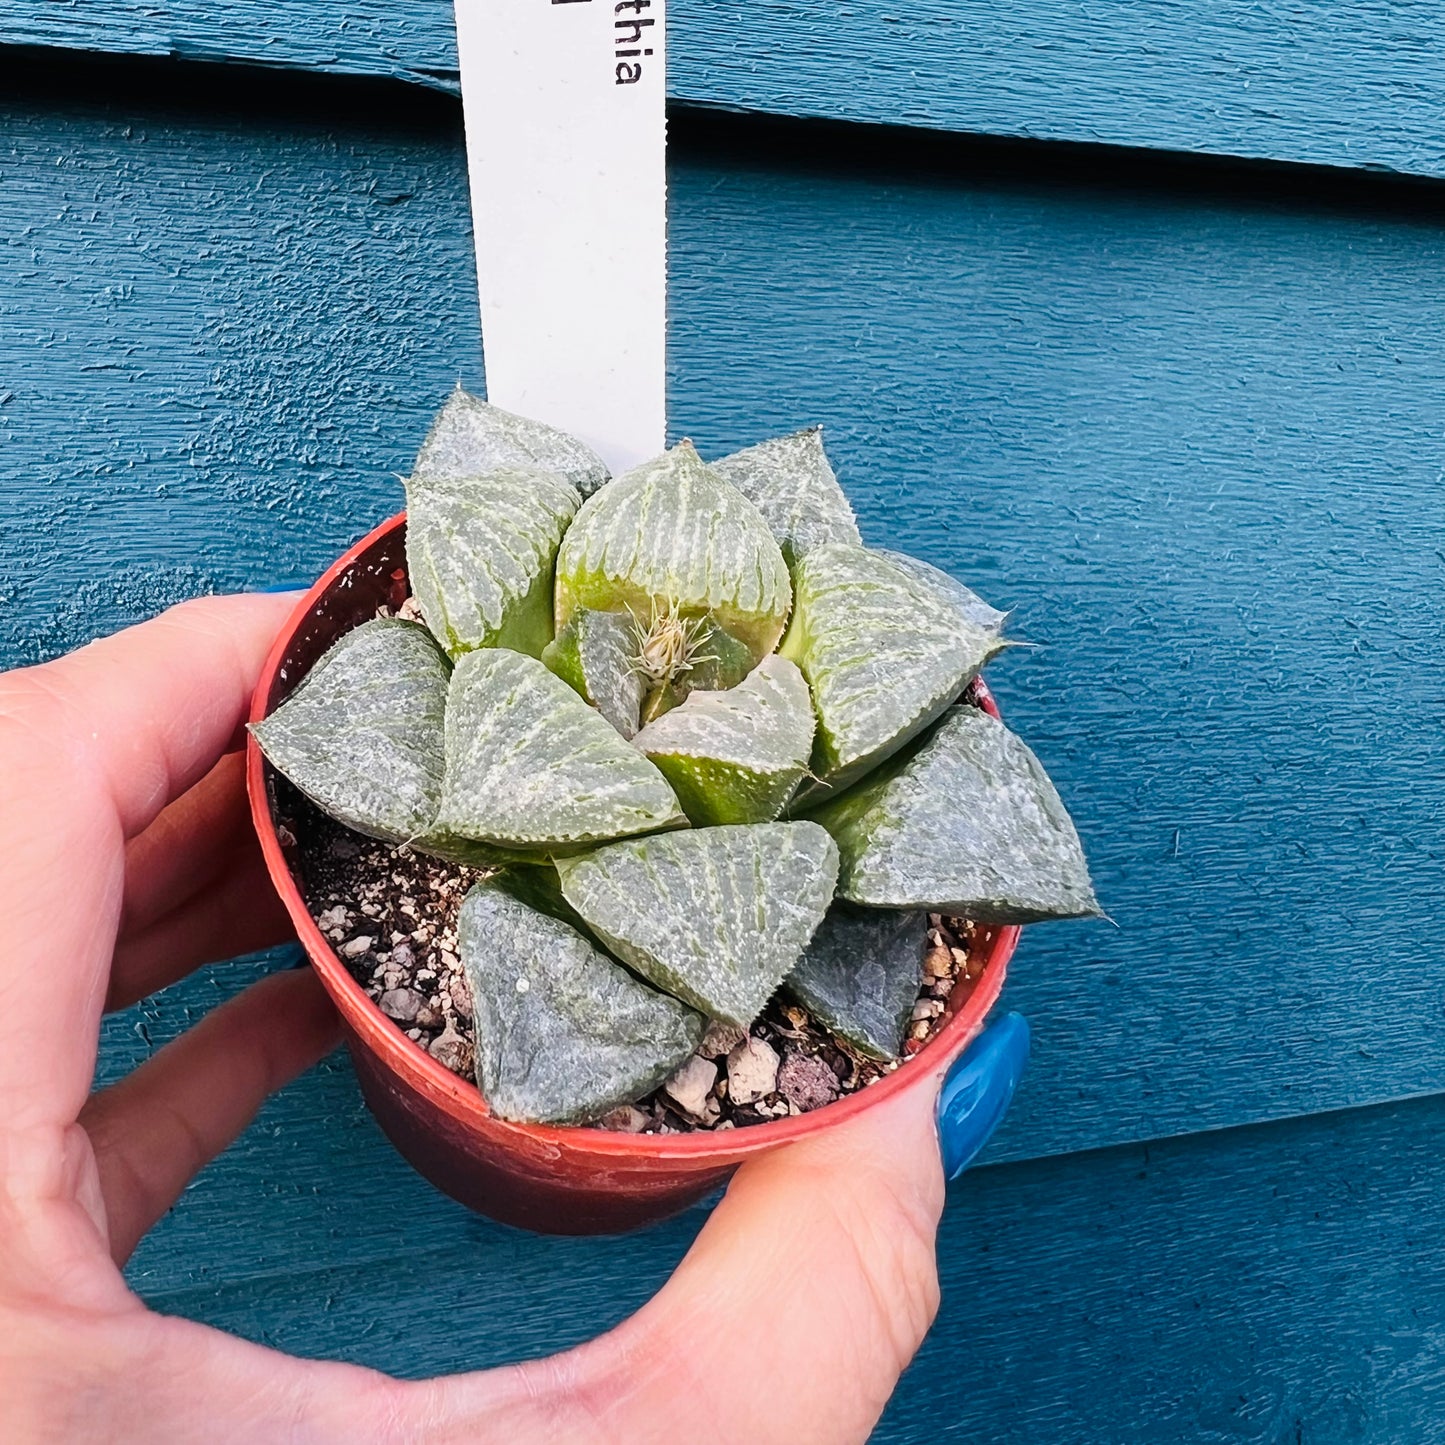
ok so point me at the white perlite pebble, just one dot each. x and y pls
(689, 1087)
(402, 1004)
(357, 946)
(450, 1050)
(752, 1071)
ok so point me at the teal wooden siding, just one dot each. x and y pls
(1330, 82)
(1187, 422)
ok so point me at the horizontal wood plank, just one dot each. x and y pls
(1275, 1284)
(1192, 439)
(1358, 84)
(1278, 1283)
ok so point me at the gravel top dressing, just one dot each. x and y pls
(391, 915)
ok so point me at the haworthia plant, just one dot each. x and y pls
(530, 766)
(728, 910)
(968, 824)
(860, 975)
(791, 482)
(884, 648)
(362, 735)
(563, 1034)
(480, 552)
(736, 756)
(621, 729)
(672, 538)
(472, 438)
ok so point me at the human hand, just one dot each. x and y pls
(131, 862)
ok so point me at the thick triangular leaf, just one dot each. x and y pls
(530, 766)
(470, 438)
(860, 975)
(968, 823)
(672, 537)
(716, 917)
(480, 552)
(967, 602)
(362, 735)
(791, 483)
(562, 1033)
(884, 647)
(594, 656)
(736, 756)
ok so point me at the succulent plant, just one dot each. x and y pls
(706, 743)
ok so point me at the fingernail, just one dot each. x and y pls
(978, 1089)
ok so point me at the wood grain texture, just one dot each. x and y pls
(206, 331)
(1193, 440)
(1359, 83)
(1277, 1285)
(414, 41)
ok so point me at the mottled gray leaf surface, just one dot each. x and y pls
(969, 824)
(791, 482)
(470, 438)
(530, 765)
(562, 1033)
(362, 735)
(673, 534)
(861, 974)
(593, 655)
(884, 649)
(716, 917)
(967, 602)
(736, 756)
(480, 552)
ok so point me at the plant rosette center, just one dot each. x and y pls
(661, 803)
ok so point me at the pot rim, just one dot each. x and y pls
(460, 1097)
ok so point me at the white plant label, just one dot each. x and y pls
(566, 130)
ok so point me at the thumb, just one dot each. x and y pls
(813, 1283)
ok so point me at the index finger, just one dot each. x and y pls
(92, 747)
(146, 713)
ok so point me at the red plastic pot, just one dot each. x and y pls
(555, 1180)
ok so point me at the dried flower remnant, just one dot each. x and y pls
(669, 645)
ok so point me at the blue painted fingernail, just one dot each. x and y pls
(978, 1090)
